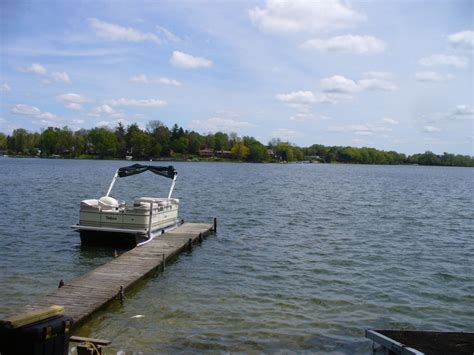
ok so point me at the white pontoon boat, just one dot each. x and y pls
(107, 220)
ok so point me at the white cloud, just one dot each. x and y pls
(35, 68)
(463, 39)
(44, 118)
(378, 75)
(141, 79)
(115, 32)
(183, 60)
(431, 129)
(303, 99)
(168, 34)
(25, 110)
(74, 106)
(138, 103)
(377, 84)
(389, 120)
(366, 129)
(298, 97)
(286, 134)
(5, 88)
(302, 117)
(338, 83)
(304, 16)
(347, 44)
(431, 76)
(441, 59)
(72, 97)
(215, 124)
(60, 77)
(168, 81)
(463, 110)
(341, 84)
(103, 109)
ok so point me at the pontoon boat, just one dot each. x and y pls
(106, 220)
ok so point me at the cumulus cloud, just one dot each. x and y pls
(286, 134)
(72, 97)
(35, 68)
(170, 36)
(137, 103)
(44, 118)
(188, 61)
(302, 99)
(366, 129)
(168, 81)
(25, 110)
(463, 39)
(445, 60)
(341, 84)
(348, 44)
(389, 120)
(431, 76)
(115, 32)
(60, 77)
(38, 69)
(73, 106)
(215, 124)
(5, 88)
(304, 16)
(431, 129)
(303, 117)
(463, 110)
(143, 79)
(103, 109)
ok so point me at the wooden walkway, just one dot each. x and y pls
(85, 295)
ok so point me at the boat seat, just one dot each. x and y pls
(90, 203)
(108, 202)
(157, 200)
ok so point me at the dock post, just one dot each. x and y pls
(200, 237)
(122, 294)
(190, 243)
(215, 224)
(61, 283)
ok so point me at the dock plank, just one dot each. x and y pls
(86, 294)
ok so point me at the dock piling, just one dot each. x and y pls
(122, 294)
(61, 283)
(215, 224)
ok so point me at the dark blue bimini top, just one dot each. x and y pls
(166, 171)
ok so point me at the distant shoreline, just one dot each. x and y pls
(204, 160)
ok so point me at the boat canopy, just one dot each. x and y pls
(166, 171)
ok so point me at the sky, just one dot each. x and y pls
(393, 75)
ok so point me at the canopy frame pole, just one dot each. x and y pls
(112, 183)
(172, 185)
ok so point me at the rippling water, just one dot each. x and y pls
(306, 256)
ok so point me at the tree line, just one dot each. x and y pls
(158, 141)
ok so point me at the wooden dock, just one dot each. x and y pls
(83, 296)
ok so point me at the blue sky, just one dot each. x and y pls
(392, 75)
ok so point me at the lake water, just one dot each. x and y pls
(306, 257)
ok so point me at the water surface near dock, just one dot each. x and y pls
(306, 256)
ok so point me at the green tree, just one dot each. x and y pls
(49, 141)
(3, 141)
(284, 151)
(221, 141)
(104, 142)
(240, 151)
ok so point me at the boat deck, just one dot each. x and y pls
(83, 296)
